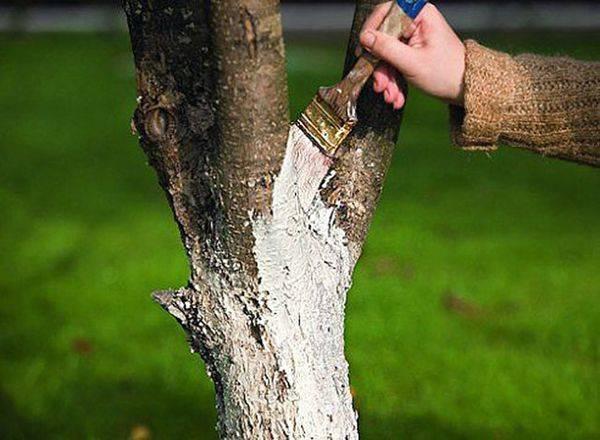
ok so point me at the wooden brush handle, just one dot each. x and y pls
(396, 22)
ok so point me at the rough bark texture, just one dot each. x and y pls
(360, 173)
(270, 268)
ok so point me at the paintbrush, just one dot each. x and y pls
(331, 115)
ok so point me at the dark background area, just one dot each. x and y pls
(117, 2)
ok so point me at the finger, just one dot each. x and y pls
(373, 21)
(394, 90)
(377, 16)
(388, 97)
(429, 12)
(429, 20)
(400, 101)
(409, 31)
(382, 76)
(391, 50)
(387, 70)
(380, 81)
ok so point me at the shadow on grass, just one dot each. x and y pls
(112, 410)
(417, 427)
(14, 424)
(429, 426)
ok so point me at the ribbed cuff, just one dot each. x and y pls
(489, 88)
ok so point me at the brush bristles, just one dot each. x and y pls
(320, 122)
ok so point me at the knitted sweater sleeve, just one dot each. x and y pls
(547, 105)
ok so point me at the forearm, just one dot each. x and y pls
(547, 105)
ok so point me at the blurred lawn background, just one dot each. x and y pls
(475, 311)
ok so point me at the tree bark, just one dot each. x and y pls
(264, 305)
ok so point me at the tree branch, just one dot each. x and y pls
(360, 173)
(252, 109)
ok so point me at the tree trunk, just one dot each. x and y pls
(265, 301)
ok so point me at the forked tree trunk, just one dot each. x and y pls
(265, 301)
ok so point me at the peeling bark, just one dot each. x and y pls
(271, 250)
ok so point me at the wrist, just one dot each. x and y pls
(458, 95)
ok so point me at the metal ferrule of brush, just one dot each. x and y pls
(320, 122)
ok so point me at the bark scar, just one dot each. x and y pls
(249, 25)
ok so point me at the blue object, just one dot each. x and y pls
(412, 7)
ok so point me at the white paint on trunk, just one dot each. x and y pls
(305, 269)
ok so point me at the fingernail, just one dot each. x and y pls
(368, 39)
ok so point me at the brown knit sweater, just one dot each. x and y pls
(547, 105)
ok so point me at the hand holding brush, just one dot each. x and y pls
(432, 58)
(331, 116)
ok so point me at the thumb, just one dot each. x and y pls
(389, 49)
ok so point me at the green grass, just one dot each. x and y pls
(511, 240)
